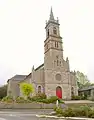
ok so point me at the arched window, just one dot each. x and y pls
(60, 63)
(72, 91)
(39, 89)
(57, 63)
(54, 30)
(55, 44)
(47, 46)
(48, 32)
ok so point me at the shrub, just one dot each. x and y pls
(58, 110)
(38, 98)
(76, 97)
(91, 114)
(61, 101)
(34, 98)
(83, 97)
(41, 95)
(66, 113)
(42, 98)
(7, 99)
(53, 99)
(69, 113)
(83, 111)
(26, 89)
(20, 100)
(47, 101)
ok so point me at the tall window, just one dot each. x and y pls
(48, 32)
(39, 89)
(72, 91)
(47, 46)
(54, 30)
(57, 63)
(56, 44)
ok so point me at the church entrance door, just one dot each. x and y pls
(59, 92)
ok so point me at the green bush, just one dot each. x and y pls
(79, 97)
(47, 101)
(53, 99)
(61, 101)
(35, 98)
(76, 98)
(42, 98)
(83, 111)
(69, 113)
(20, 100)
(58, 110)
(7, 99)
(38, 98)
(91, 114)
(83, 97)
(41, 95)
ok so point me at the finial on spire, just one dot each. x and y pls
(33, 68)
(67, 59)
(51, 15)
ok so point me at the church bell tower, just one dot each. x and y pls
(53, 44)
(53, 57)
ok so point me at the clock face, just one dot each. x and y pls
(58, 77)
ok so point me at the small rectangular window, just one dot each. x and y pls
(56, 44)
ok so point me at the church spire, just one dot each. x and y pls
(51, 15)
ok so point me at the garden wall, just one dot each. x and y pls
(26, 106)
(34, 105)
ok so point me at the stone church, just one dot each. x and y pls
(53, 77)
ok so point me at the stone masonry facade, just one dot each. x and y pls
(53, 77)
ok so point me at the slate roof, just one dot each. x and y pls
(87, 88)
(39, 67)
(22, 77)
(18, 77)
(29, 75)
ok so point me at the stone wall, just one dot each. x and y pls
(26, 106)
(44, 106)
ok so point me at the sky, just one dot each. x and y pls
(22, 34)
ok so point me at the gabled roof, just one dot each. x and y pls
(18, 77)
(22, 77)
(29, 75)
(87, 88)
(39, 67)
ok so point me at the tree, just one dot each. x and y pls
(82, 80)
(26, 89)
(3, 91)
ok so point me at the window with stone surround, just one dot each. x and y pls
(39, 89)
(46, 46)
(57, 63)
(72, 91)
(58, 77)
(54, 30)
(48, 32)
(56, 44)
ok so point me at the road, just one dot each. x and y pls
(23, 114)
